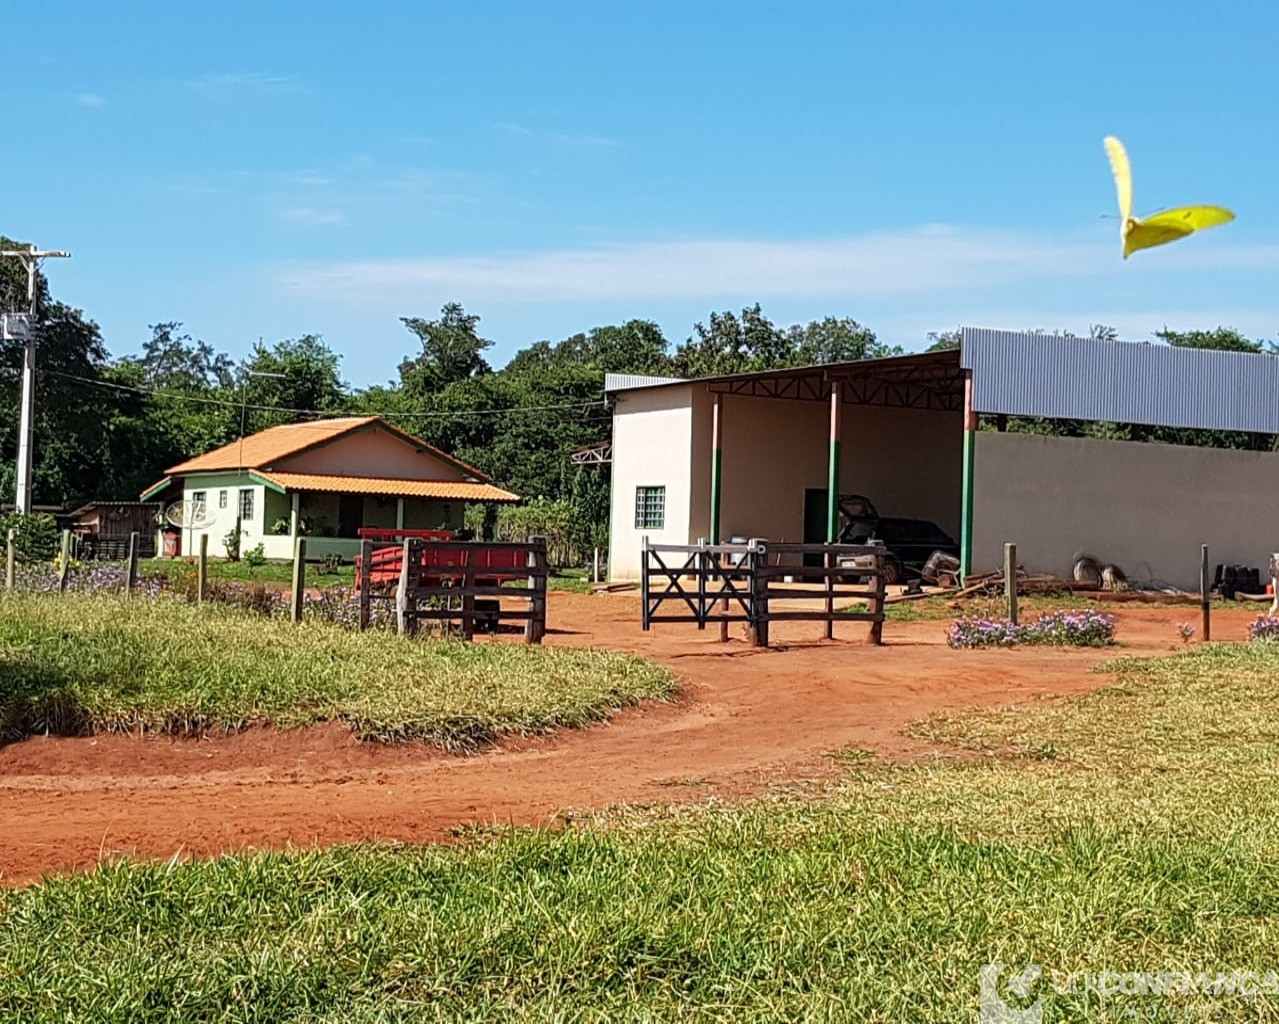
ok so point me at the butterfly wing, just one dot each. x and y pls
(1140, 234)
(1169, 225)
(1122, 170)
(1197, 217)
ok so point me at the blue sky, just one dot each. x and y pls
(276, 169)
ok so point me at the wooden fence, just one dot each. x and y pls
(462, 582)
(760, 583)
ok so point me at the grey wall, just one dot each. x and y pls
(1145, 507)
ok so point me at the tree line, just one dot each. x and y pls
(107, 427)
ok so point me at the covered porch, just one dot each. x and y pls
(330, 510)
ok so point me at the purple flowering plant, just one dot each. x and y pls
(1074, 628)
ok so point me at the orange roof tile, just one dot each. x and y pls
(443, 490)
(267, 447)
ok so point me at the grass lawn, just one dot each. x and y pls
(1133, 829)
(77, 663)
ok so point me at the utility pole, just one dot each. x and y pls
(26, 427)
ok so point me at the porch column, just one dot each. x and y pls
(832, 476)
(717, 464)
(966, 501)
(399, 513)
(295, 519)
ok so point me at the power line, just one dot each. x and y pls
(225, 403)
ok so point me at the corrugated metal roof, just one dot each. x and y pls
(626, 381)
(443, 490)
(1020, 374)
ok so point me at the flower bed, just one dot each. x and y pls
(1078, 628)
(1264, 627)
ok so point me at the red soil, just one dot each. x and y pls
(746, 721)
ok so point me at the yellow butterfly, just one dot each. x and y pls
(1158, 228)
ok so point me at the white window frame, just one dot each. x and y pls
(245, 499)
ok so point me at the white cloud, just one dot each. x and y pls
(310, 215)
(90, 99)
(581, 141)
(254, 81)
(916, 261)
(306, 179)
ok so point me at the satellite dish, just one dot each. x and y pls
(192, 515)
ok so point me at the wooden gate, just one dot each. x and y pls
(760, 583)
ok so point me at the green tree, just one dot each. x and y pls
(452, 350)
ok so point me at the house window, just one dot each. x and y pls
(221, 499)
(200, 499)
(246, 503)
(650, 508)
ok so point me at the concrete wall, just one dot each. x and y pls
(371, 452)
(652, 440)
(907, 461)
(1145, 507)
(214, 485)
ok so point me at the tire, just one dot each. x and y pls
(892, 571)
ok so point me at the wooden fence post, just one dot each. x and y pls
(64, 565)
(365, 579)
(298, 598)
(645, 624)
(758, 559)
(10, 557)
(402, 599)
(877, 604)
(131, 576)
(1010, 580)
(202, 570)
(828, 564)
(535, 628)
(1205, 596)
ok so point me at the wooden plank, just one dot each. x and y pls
(403, 600)
(774, 594)
(804, 573)
(820, 616)
(10, 559)
(459, 614)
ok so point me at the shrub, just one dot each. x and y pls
(232, 543)
(35, 536)
(1078, 628)
(255, 557)
(1264, 627)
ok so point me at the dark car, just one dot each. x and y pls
(909, 542)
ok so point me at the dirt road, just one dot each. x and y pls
(746, 720)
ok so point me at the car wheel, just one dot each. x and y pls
(892, 572)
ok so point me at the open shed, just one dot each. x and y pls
(765, 454)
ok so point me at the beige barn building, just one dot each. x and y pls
(904, 432)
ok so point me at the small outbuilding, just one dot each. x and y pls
(924, 437)
(323, 479)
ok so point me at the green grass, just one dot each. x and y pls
(1149, 840)
(78, 663)
(270, 572)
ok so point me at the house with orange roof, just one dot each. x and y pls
(323, 479)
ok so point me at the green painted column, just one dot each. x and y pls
(966, 507)
(717, 466)
(832, 474)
